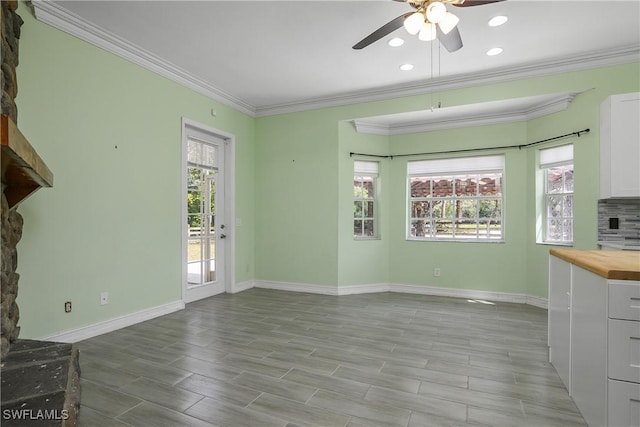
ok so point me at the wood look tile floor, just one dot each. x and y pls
(272, 358)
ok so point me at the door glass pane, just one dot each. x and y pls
(201, 209)
(194, 261)
(212, 260)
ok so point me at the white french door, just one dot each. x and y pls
(204, 208)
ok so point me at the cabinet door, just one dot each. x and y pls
(589, 345)
(624, 299)
(559, 320)
(624, 404)
(624, 350)
(620, 146)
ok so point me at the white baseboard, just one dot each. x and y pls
(90, 331)
(297, 287)
(322, 289)
(363, 289)
(242, 286)
(539, 302)
(459, 293)
(403, 288)
(110, 325)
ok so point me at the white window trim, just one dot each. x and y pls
(450, 167)
(368, 169)
(561, 155)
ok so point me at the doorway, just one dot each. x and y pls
(205, 206)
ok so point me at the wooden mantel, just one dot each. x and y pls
(23, 171)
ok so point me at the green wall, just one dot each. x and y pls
(481, 266)
(112, 220)
(517, 266)
(584, 112)
(362, 262)
(296, 200)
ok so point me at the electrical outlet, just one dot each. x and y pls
(67, 307)
(104, 298)
(436, 272)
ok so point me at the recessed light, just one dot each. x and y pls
(406, 67)
(494, 51)
(396, 41)
(496, 21)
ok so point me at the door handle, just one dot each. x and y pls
(223, 236)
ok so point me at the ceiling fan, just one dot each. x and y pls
(430, 20)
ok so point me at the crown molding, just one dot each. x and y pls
(595, 59)
(374, 125)
(60, 18)
(64, 20)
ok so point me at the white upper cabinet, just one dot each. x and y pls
(620, 146)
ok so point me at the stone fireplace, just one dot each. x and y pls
(40, 379)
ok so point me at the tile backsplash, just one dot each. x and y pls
(627, 212)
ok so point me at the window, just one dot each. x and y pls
(364, 200)
(456, 199)
(557, 166)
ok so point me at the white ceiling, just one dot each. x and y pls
(267, 56)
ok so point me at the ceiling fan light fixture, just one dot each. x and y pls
(414, 23)
(436, 12)
(428, 32)
(449, 22)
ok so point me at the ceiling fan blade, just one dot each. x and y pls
(468, 3)
(387, 28)
(414, 3)
(451, 41)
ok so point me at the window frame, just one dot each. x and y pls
(554, 158)
(457, 169)
(365, 171)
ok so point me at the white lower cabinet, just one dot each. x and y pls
(623, 364)
(589, 345)
(594, 343)
(623, 404)
(559, 310)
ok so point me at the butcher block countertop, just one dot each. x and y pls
(618, 265)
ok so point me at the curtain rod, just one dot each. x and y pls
(519, 147)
